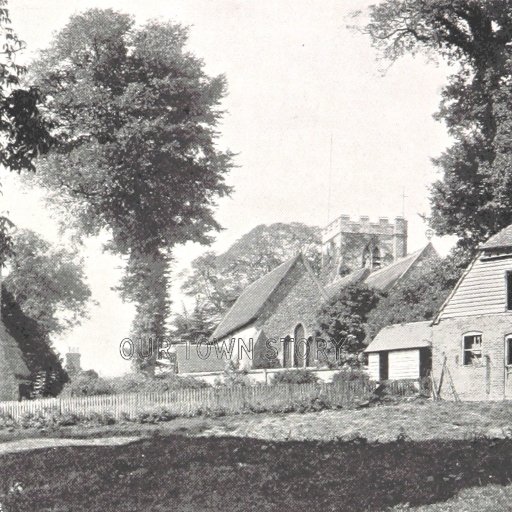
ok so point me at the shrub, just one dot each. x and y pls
(87, 384)
(234, 376)
(138, 383)
(350, 374)
(298, 376)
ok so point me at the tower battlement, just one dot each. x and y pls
(351, 241)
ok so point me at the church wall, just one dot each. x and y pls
(296, 301)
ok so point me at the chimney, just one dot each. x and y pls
(73, 361)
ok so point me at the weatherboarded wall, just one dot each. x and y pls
(482, 291)
(484, 381)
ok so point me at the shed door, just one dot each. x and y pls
(508, 367)
(383, 365)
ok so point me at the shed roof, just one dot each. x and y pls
(386, 277)
(12, 353)
(402, 336)
(251, 301)
(502, 238)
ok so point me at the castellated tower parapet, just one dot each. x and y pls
(352, 244)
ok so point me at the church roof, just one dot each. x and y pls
(251, 301)
(385, 278)
(402, 336)
(11, 353)
(354, 277)
(501, 239)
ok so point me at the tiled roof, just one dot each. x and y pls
(193, 359)
(402, 336)
(352, 278)
(248, 306)
(386, 277)
(502, 238)
(10, 350)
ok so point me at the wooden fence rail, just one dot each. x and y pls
(191, 402)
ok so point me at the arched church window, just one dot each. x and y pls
(371, 256)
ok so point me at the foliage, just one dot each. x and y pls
(420, 296)
(24, 135)
(46, 369)
(195, 326)
(474, 198)
(135, 138)
(145, 283)
(350, 374)
(233, 375)
(47, 282)
(216, 281)
(87, 383)
(135, 152)
(296, 376)
(341, 322)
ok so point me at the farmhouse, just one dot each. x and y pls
(401, 351)
(472, 333)
(13, 369)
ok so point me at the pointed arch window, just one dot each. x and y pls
(371, 256)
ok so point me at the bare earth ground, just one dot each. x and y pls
(448, 457)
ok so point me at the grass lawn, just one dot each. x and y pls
(443, 461)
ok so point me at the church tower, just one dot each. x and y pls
(348, 245)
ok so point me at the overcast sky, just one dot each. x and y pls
(296, 76)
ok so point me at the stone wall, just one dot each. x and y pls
(296, 301)
(344, 241)
(485, 381)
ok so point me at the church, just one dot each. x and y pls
(273, 319)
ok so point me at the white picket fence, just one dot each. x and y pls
(191, 402)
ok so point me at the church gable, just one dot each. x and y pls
(296, 301)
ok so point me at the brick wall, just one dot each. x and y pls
(484, 382)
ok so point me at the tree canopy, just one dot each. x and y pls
(341, 322)
(135, 122)
(216, 281)
(44, 294)
(474, 197)
(47, 282)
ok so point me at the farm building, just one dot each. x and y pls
(472, 333)
(401, 351)
(14, 373)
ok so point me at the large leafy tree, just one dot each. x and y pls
(474, 197)
(136, 122)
